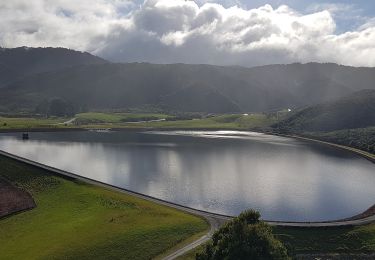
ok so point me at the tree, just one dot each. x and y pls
(59, 107)
(244, 237)
(42, 108)
(55, 107)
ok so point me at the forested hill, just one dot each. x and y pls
(354, 111)
(96, 84)
(16, 63)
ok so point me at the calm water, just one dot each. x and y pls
(224, 172)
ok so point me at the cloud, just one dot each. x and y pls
(169, 31)
(347, 16)
(81, 25)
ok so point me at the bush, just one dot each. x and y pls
(245, 237)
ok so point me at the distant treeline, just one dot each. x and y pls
(58, 107)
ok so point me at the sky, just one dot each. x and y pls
(220, 32)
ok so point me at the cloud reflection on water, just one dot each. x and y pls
(286, 179)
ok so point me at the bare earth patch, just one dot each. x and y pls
(13, 199)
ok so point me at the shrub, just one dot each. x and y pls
(244, 237)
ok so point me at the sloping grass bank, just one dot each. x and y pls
(344, 241)
(358, 239)
(74, 220)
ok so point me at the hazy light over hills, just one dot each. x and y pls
(171, 31)
(32, 75)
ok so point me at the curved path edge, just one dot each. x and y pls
(366, 155)
(215, 220)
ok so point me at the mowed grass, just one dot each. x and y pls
(74, 220)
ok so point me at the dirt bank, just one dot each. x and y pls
(13, 199)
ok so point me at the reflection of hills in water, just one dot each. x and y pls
(219, 171)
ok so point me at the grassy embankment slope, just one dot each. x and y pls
(330, 240)
(74, 220)
(359, 239)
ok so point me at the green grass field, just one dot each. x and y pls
(128, 120)
(240, 122)
(26, 123)
(74, 220)
(92, 118)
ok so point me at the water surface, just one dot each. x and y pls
(219, 171)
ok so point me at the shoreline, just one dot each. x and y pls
(368, 213)
(364, 154)
(214, 220)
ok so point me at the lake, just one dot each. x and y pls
(218, 171)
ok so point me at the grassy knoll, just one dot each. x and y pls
(74, 220)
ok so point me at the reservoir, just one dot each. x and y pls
(218, 171)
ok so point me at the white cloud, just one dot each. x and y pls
(168, 31)
(81, 25)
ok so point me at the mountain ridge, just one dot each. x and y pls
(98, 84)
(24, 61)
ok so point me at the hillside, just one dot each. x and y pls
(16, 63)
(177, 87)
(172, 87)
(353, 111)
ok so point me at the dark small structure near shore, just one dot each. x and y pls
(25, 136)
